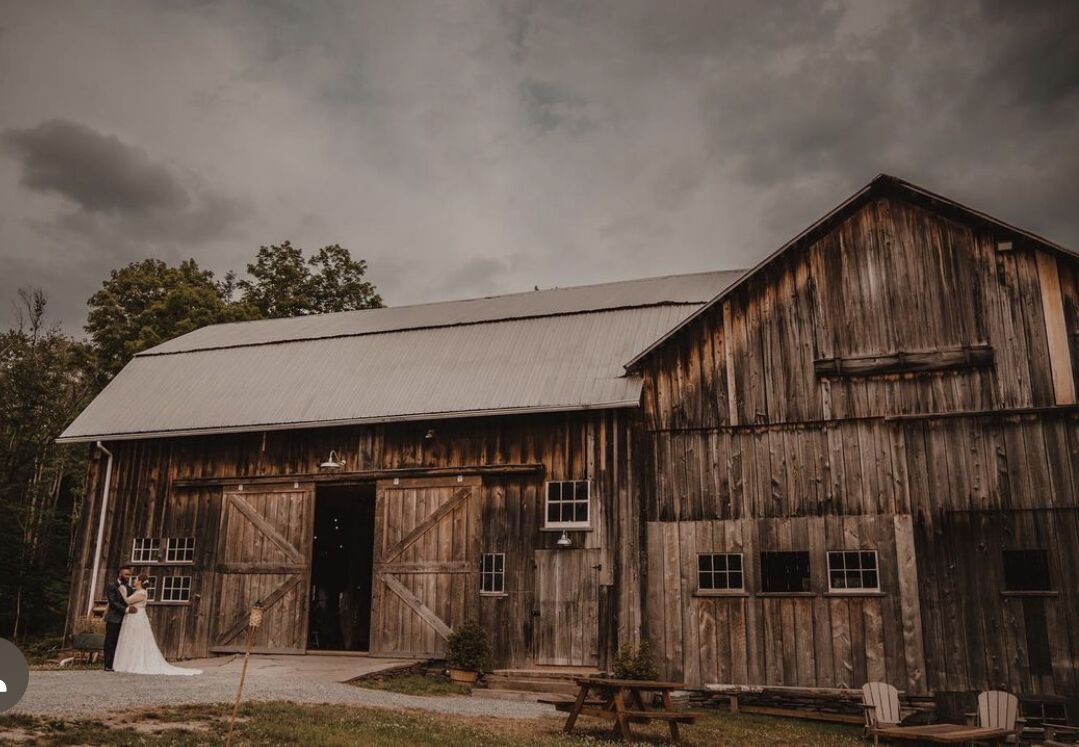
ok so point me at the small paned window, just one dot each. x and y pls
(784, 572)
(568, 503)
(180, 550)
(150, 586)
(145, 550)
(1026, 570)
(720, 571)
(493, 573)
(853, 570)
(176, 589)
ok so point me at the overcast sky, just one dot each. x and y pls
(472, 148)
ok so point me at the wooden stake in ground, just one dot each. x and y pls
(253, 621)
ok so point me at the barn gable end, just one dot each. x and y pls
(899, 381)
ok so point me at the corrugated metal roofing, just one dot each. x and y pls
(550, 350)
(695, 288)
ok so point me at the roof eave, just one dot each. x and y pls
(259, 428)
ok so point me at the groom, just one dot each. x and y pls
(114, 615)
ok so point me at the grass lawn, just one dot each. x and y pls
(291, 724)
(414, 684)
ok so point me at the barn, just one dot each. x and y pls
(857, 461)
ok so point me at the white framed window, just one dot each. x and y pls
(175, 589)
(151, 588)
(853, 570)
(568, 504)
(145, 550)
(493, 573)
(180, 550)
(720, 571)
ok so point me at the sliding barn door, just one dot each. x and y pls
(426, 564)
(264, 555)
(567, 602)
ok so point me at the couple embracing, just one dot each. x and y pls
(129, 639)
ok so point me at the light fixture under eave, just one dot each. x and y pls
(564, 541)
(332, 462)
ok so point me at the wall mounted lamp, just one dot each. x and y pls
(333, 462)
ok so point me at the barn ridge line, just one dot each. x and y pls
(420, 327)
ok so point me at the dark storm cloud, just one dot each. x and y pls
(488, 146)
(96, 171)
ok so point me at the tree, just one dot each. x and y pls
(284, 284)
(149, 302)
(46, 378)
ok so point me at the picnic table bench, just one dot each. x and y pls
(815, 703)
(621, 701)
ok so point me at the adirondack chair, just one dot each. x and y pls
(999, 710)
(880, 702)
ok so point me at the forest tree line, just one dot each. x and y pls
(48, 377)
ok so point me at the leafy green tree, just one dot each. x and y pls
(149, 302)
(285, 284)
(46, 378)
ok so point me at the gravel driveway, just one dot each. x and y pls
(87, 693)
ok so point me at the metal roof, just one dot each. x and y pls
(552, 350)
(695, 288)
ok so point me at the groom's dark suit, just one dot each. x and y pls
(114, 617)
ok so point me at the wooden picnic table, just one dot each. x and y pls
(943, 734)
(621, 701)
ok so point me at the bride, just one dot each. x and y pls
(136, 650)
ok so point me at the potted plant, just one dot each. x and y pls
(467, 652)
(635, 663)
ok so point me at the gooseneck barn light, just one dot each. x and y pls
(564, 541)
(332, 462)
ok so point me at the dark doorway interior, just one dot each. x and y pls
(341, 568)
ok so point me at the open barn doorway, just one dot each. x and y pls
(342, 557)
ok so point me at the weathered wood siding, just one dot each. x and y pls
(807, 640)
(599, 446)
(759, 437)
(892, 277)
(918, 466)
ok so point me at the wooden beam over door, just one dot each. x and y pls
(362, 476)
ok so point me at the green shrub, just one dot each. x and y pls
(635, 662)
(467, 647)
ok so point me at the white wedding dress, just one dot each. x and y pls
(136, 650)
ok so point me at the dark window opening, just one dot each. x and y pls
(1039, 654)
(1026, 570)
(784, 572)
(1039, 712)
